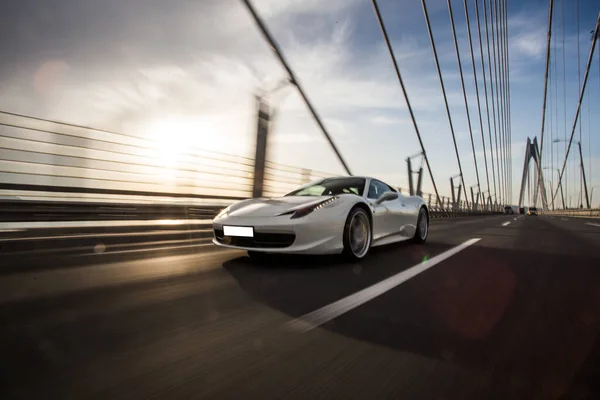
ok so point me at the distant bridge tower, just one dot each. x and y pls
(532, 152)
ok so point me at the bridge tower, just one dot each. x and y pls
(532, 152)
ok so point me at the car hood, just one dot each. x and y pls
(271, 207)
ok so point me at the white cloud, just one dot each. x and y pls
(275, 8)
(531, 44)
(386, 120)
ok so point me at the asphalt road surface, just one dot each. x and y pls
(513, 315)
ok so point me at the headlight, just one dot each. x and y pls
(302, 212)
(223, 213)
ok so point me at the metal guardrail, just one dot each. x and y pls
(53, 157)
(43, 160)
(29, 211)
(581, 213)
(36, 211)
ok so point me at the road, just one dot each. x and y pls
(515, 315)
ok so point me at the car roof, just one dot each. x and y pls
(352, 176)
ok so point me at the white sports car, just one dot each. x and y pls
(345, 215)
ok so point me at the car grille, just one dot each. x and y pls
(260, 240)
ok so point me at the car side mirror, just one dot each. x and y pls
(387, 196)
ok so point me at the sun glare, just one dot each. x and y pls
(175, 136)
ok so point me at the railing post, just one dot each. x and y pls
(453, 195)
(262, 133)
(411, 188)
(420, 182)
(473, 204)
(587, 199)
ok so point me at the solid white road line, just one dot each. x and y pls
(334, 310)
(506, 223)
(592, 224)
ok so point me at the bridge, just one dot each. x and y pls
(110, 285)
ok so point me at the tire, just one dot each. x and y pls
(422, 230)
(357, 235)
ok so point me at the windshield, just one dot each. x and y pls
(332, 186)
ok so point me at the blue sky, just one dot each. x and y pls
(185, 72)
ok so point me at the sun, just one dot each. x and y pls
(175, 137)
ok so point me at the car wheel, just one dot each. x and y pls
(357, 234)
(422, 230)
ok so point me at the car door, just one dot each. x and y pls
(387, 216)
(410, 212)
(401, 212)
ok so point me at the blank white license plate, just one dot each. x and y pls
(243, 231)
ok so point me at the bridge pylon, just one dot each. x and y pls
(532, 152)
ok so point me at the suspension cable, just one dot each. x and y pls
(585, 78)
(556, 101)
(508, 99)
(487, 175)
(548, 42)
(462, 81)
(500, 181)
(504, 95)
(495, 94)
(579, 87)
(439, 71)
(500, 34)
(487, 105)
(410, 110)
(551, 74)
(493, 22)
(500, 93)
(275, 48)
(564, 89)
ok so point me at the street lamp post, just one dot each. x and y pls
(475, 200)
(562, 194)
(551, 188)
(587, 199)
(456, 197)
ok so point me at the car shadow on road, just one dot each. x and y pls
(491, 308)
(297, 285)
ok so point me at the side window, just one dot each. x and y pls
(388, 188)
(372, 191)
(377, 188)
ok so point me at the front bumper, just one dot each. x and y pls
(283, 235)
